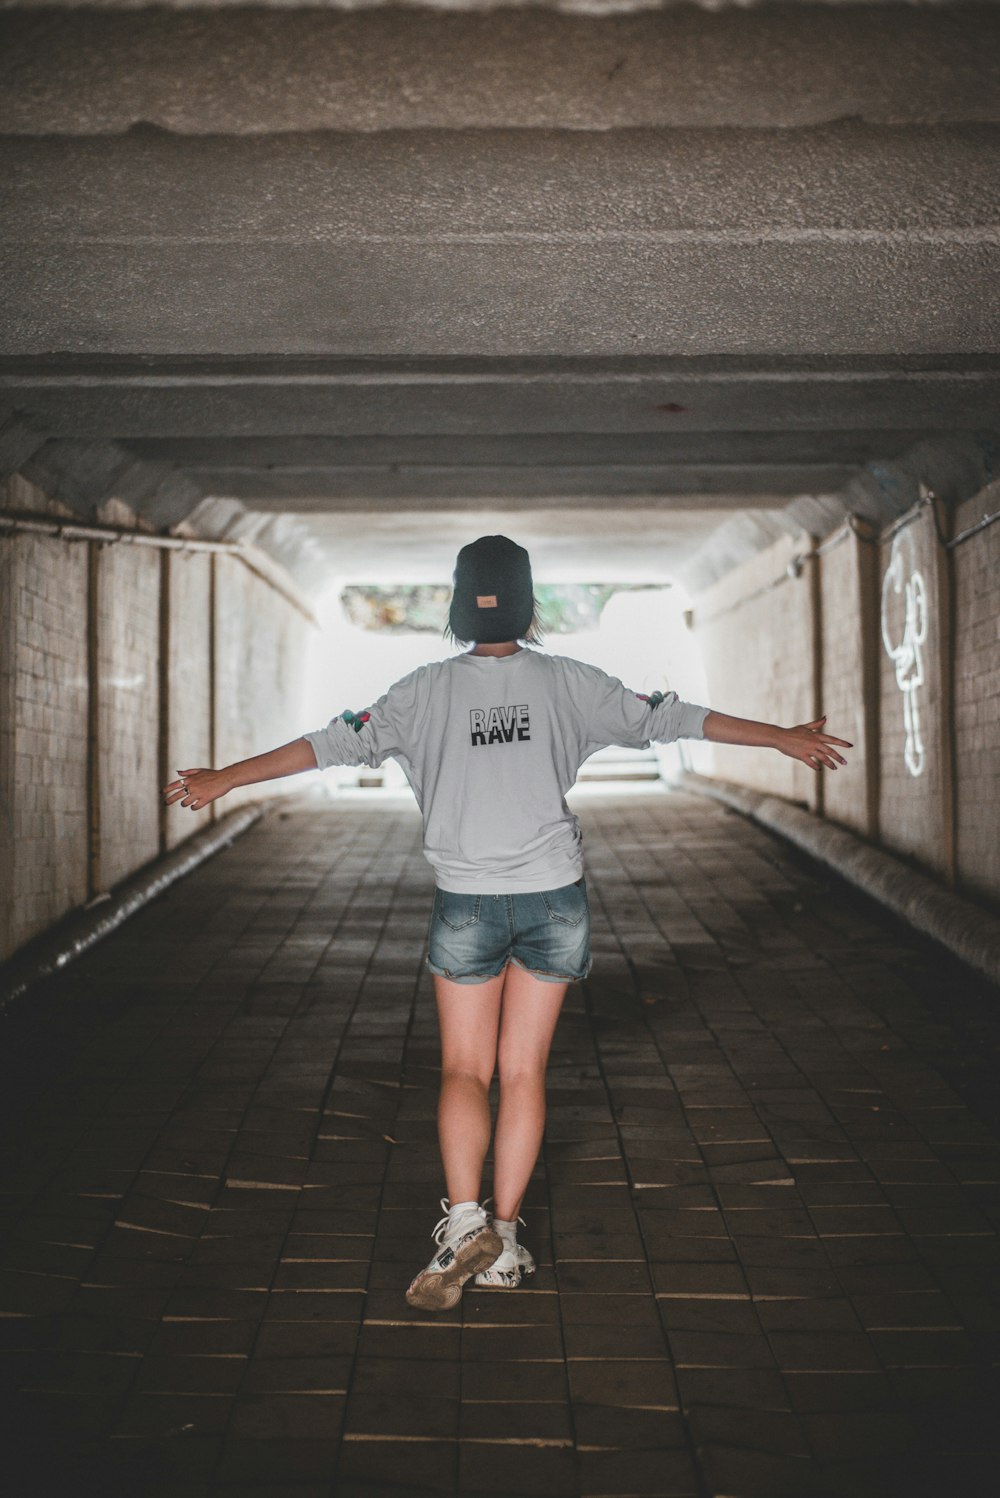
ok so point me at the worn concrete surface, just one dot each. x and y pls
(221, 69)
(766, 1216)
(227, 223)
(844, 239)
(316, 471)
(138, 397)
(833, 183)
(343, 442)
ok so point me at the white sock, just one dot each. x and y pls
(507, 1228)
(458, 1207)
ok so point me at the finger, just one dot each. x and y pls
(839, 758)
(828, 738)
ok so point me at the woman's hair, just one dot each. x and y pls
(531, 636)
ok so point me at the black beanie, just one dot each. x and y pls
(493, 600)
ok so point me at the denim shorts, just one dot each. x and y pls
(473, 937)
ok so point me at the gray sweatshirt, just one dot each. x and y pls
(490, 745)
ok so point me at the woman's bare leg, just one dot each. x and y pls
(528, 1020)
(468, 1016)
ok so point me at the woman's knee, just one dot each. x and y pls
(466, 1074)
(521, 1071)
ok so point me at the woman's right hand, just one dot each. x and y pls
(197, 788)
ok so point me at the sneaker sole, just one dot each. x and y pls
(493, 1285)
(440, 1291)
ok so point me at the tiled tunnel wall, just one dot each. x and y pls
(976, 705)
(119, 664)
(784, 640)
(106, 685)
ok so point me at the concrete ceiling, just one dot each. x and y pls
(401, 274)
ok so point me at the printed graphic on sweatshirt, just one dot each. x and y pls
(499, 725)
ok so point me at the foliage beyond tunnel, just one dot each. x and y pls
(423, 608)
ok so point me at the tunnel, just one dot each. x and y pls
(698, 303)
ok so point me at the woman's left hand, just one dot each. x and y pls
(197, 788)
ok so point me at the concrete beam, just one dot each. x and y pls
(844, 239)
(725, 467)
(951, 470)
(737, 539)
(231, 70)
(286, 538)
(727, 485)
(827, 183)
(245, 398)
(547, 449)
(290, 542)
(172, 500)
(213, 517)
(85, 474)
(20, 437)
(80, 474)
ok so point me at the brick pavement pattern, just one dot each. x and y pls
(766, 1215)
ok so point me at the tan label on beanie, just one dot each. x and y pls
(486, 601)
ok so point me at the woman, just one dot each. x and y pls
(490, 741)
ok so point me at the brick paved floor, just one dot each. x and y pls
(766, 1218)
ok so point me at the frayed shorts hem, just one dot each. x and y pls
(553, 977)
(473, 978)
(442, 972)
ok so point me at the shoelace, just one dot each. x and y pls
(439, 1231)
(442, 1227)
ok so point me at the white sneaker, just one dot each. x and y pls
(513, 1265)
(468, 1243)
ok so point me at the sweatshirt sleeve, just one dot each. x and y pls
(617, 715)
(380, 732)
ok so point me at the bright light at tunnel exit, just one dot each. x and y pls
(642, 637)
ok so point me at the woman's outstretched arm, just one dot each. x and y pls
(196, 788)
(808, 742)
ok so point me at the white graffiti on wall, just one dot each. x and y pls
(904, 631)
